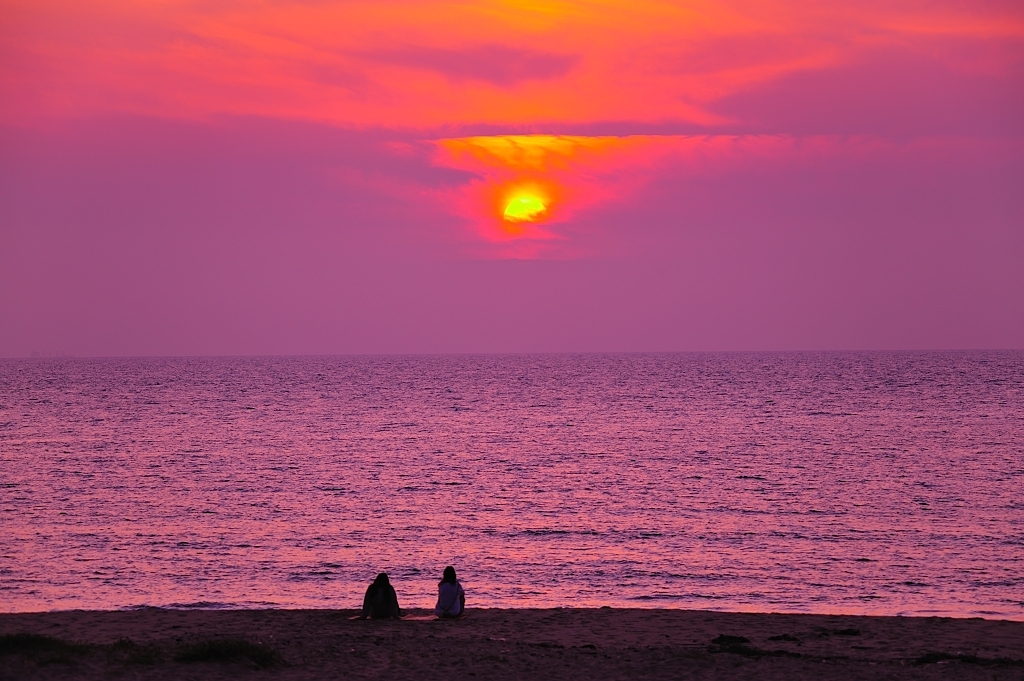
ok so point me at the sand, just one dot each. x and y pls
(504, 644)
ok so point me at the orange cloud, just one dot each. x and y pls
(571, 175)
(562, 173)
(420, 64)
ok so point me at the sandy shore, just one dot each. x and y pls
(504, 644)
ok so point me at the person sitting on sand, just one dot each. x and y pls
(381, 601)
(451, 599)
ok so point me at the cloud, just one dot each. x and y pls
(576, 175)
(596, 187)
(887, 91)
(499, 65)
(411, 64)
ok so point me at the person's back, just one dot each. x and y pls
(451, 598)
(381, 601)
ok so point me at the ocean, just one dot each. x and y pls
(855, 483)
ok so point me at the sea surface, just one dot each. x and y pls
(808, 482)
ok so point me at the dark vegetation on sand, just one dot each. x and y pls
(229, 650)
(41, 649)
(47, 650)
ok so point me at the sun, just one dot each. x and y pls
(525, 208)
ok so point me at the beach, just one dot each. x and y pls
(562, 643)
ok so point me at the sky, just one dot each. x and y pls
(219, 177)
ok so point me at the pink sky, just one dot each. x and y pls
(223, 177)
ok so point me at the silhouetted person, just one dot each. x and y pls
(451, 599)
(380, 601)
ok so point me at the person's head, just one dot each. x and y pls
(449, 575)
(382, 580)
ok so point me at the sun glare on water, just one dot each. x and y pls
(524, 209)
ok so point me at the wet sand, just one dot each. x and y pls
(504, 644)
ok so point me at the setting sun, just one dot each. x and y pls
(526, 208)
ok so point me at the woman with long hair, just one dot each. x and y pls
(380, 601)
(451, 598)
